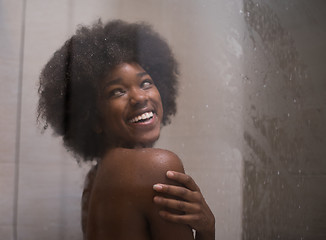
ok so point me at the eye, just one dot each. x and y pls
(117, 92)
(147, 83)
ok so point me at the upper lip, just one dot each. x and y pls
(139, 112)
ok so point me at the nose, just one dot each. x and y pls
(137, 97)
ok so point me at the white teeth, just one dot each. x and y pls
(144, 116)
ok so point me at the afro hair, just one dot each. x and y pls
(69, 82)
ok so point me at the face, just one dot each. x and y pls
(130, 107)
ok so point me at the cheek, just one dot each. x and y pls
(160, 105)
(155, 94)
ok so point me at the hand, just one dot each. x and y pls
(197, 214)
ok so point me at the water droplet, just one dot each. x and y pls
(248, 14)
(264, 85)
(294, 100)
(206, 105)
(288, 114)
(241, 11)
(299, 171)
(278, 172)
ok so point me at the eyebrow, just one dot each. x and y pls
(141, 74)
(113, 82)
(119, 80)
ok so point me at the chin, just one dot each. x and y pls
(146, 142)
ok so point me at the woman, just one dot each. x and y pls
(104, 92)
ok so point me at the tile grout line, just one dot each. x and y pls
(18, 123)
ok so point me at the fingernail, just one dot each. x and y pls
(157, 187)
(169, 174)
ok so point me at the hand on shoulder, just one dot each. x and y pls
(196, 212)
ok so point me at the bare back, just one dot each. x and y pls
(121, 201)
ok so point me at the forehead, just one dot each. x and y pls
(125, 71)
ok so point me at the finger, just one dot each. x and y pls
(178, 191)
(177, 205)
(189, 219)
(183, 179)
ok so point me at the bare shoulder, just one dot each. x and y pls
(130, 168)
(123, 194)
(160, 160)
(150, 162)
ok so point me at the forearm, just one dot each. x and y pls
(210, 235)
(209, 232)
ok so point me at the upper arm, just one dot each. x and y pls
(160, 228)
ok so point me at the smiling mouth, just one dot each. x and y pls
(142, 117)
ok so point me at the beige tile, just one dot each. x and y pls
(7, 189)
(6, 232)
(49, 200)
(10, 45)
(46, 28)
(49, 231)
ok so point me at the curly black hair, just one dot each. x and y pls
(69, 82)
